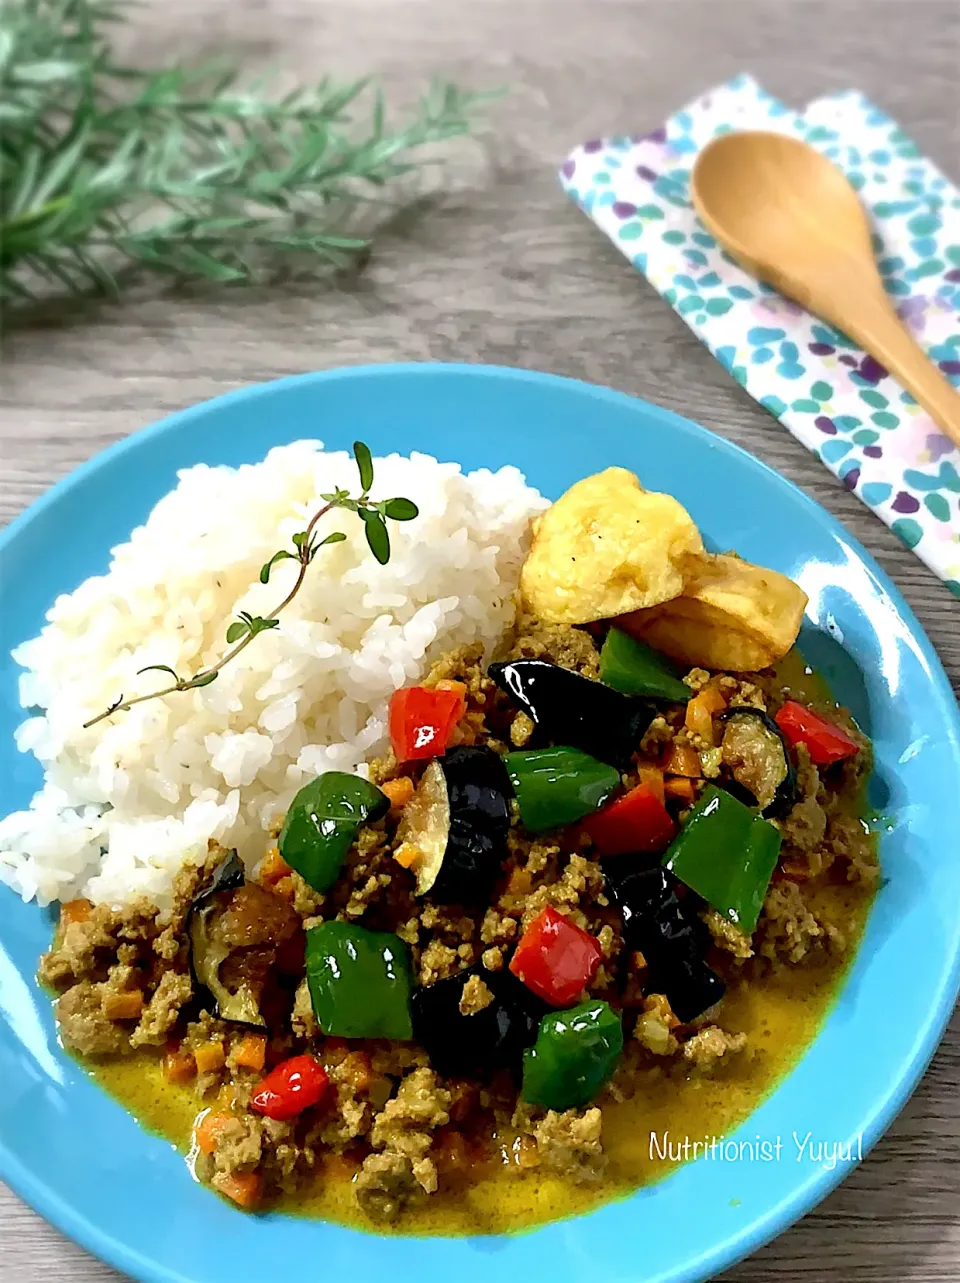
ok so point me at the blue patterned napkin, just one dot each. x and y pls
(839, 402)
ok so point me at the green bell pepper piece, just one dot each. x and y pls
(726, 853)
(557, 786)
(575, 1053)
(634, 668)
(322, 822)
(360, 981)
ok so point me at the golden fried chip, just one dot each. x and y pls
(732, 615)
(606, 547)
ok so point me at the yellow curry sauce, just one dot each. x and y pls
(782, 1014)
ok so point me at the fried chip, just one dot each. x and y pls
(732, 615)
(606, 547)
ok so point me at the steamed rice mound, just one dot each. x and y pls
(128, 802)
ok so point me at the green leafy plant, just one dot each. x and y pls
(106, 169)
(242, 630)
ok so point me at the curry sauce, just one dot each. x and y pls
(782, 1015)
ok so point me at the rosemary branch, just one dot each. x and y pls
(106, 170)
(246, 627)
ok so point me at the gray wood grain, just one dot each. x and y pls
(505, 270)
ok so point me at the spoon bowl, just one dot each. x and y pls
(790, 217)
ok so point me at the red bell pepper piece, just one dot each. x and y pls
(825, 742)
(293, 1086)
(556, 959)
(422, 720)
(638, 821)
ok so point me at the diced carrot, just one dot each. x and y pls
(447, 684)
(698, 718)
(679, 787)
(208, 1127)
(652, 776)
(74, 911)
(699, 722)
(274, 867)
(713, 698)
(243, 1188)
(179, 1066)
(682, 759)
(407, 855)
(209, 1057)
(519, 882)
(251, 1052)
(123, 1006)
(399, 791)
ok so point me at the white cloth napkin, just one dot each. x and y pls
(839, 402)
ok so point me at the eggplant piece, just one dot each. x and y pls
(208, 955)
(671, 938)
(759, 757)
(483, 1041)
(458, 821)
(477, 784)
(653, 916)
(570, 709)
(235, 929)
(693, 988)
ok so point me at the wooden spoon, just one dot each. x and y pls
(789, 216)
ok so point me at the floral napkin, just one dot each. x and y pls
(839, 402)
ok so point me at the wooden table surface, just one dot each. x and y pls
(505, 270)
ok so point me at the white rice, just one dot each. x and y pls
(127, 803)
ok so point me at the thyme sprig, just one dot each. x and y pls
(242, 630)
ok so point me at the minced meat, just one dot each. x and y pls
(570, 1144)
(711, 1044)
(385, 1184)
(655, 1026)
(475, 997)
(399, 1127)
(83, 1026)
(727, 936)
(161, 1013)
(789, 929)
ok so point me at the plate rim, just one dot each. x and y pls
(807, 1194)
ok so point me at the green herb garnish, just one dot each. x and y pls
(107, 169)
(242, 630)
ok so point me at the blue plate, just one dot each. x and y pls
(83, 1163)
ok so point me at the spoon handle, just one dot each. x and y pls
(876, 327)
